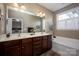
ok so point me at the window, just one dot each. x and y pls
(68, 20)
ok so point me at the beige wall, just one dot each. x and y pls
(66, 33)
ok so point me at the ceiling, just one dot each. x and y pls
(54, 6)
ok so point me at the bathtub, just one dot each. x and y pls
(66, 46)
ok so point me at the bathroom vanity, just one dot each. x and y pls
(25, 44)
(23, 40)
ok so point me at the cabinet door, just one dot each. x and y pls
(44, 44)
(12, 51)
(49, 42)
(1, 49)
(36, 51)
(27, 49)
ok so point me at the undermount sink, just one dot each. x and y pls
(32, 34)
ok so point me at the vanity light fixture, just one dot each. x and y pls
(22, 7)
(16, 9)
(1, 16)
(22, 10)
(15, 4)
(17, 20)
(38, 14)
(41, 14)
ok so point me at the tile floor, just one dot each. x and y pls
(50, 53)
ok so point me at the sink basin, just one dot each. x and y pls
(32, 34)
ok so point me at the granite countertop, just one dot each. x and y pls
(22, 35)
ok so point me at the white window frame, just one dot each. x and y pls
(66, 26)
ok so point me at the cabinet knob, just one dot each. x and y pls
(18, 48)
(22, 47)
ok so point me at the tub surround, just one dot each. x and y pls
(66, 46)
(73, 43)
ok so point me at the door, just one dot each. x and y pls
(44, 44)
(12, 51)
(27, 49)
(1, 49)
(49, 42)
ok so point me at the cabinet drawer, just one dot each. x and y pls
(27, 40)
(27, 44)
(26, 49)
(49, 37)
(1, 44)
(11, 43)
(37, 42)
(37, 47)
(37, 39)
(1, 49)
(45, 37)
(12, 51)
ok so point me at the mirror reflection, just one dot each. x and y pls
(24, 18)
(21, 21)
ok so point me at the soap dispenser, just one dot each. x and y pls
(8, 35)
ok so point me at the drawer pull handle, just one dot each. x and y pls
(22, 47)
(18, 48)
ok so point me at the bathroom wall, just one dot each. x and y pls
(66, 33)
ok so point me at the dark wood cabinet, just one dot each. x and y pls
(11, 43)
(12, 51)
(12, 48)
(37, 46)
(1, 49)
(49, 42)
(26, 47)
(44, 44)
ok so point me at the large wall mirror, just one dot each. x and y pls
(14, 20)
(0, 21)
(21, 21)
(2, 17)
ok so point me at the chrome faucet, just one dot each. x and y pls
(19, 34)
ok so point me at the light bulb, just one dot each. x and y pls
(16, 9)
(15, 4)
(43, 14)
(17, 20)
(40, 13)
(2, 14)
(23, 7)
